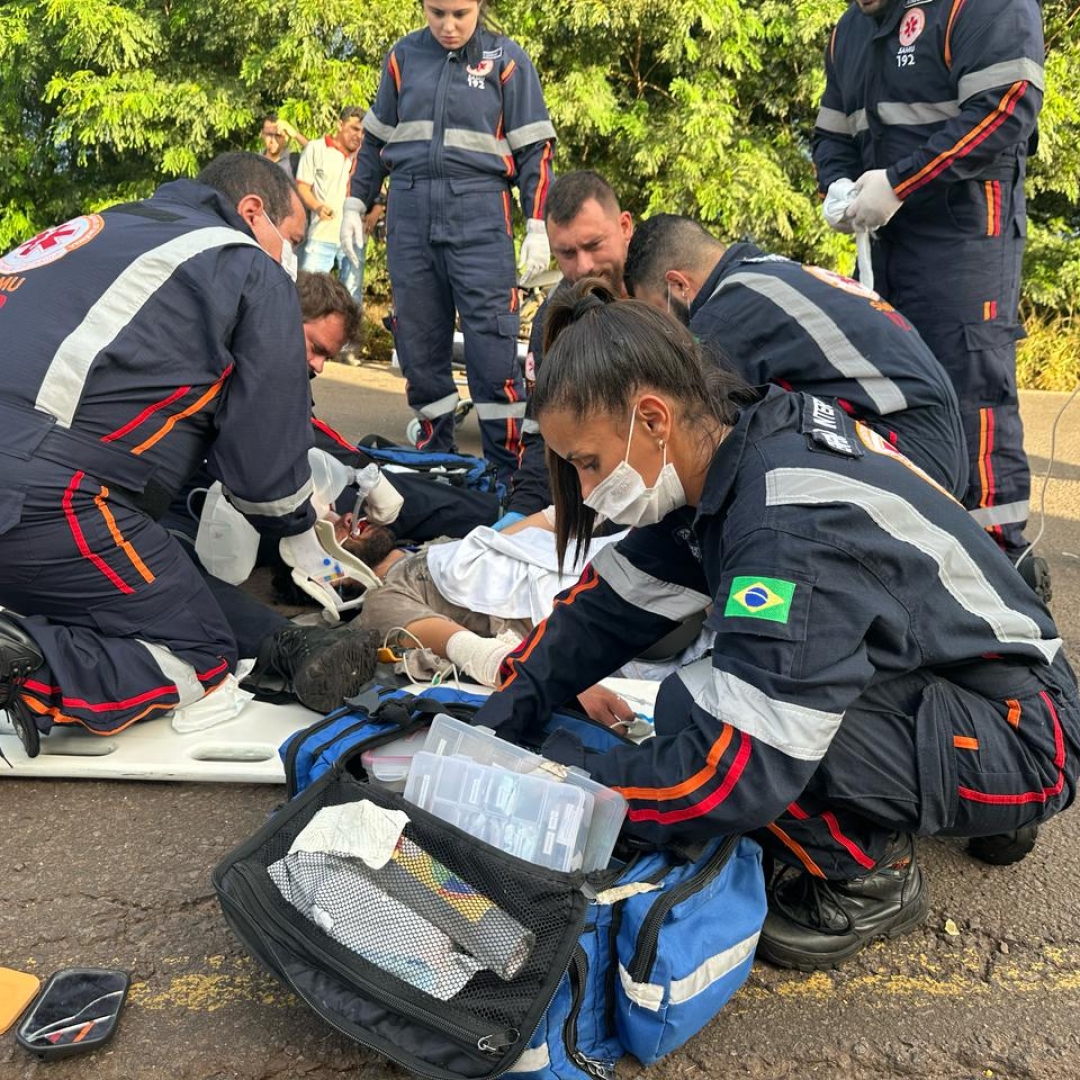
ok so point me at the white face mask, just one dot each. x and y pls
(289, 261)
(622, 496)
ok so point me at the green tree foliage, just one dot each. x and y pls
(702, 107)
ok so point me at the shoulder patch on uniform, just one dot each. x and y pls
(52, 244)
(760, 598)
(827, 428)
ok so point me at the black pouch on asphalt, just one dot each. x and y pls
(444, 959)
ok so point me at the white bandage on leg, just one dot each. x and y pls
(478, 657)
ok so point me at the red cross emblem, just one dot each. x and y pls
(911, 26)
(52, 244)
(48, 239)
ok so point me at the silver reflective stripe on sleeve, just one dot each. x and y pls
(833, 342)
(480, 142)
(276, 507)
(499, 411)
(1022, 69)
(912, 113)
(835, 121)
(441, 407)
(372, 123)
(528, 134)
(644, 591)
(530, 427)
(412, 131)
(1015, 513)
(958, 573)
(652, 996)
(179, 672)
(841, 123)
(120, 304)
(798, 731)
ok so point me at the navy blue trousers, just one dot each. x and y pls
(126, 624)
(450, 248)
(953, 269)
(971, 756)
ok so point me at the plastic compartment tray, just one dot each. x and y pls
(534, 819)
(389, 764)
(450, 737)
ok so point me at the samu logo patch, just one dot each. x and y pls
(760, 598)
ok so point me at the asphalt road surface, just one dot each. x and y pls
(118, 874)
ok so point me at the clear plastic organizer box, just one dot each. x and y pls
(449, 737)
(389, 764)
(526, 816)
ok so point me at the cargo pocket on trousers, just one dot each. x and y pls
(11, 507)
(936, 759)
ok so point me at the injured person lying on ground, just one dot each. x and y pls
(465, 605)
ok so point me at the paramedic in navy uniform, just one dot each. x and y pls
(136, 343)
(930, 107)
(879, 668)
(458, 120)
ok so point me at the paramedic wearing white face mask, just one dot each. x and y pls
(853, 604)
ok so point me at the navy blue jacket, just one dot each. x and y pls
(809, 329)
(936, 92)
(832, 567)
(477, 111)
(140, 341)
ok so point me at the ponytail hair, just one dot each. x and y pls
(600, 354)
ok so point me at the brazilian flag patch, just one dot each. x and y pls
(760, 598)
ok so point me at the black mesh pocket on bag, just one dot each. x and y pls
(450, 935)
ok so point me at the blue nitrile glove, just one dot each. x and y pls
(507, 519)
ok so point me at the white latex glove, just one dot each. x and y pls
(837, 200)
(383, 502)
(535, 251)
(875, 201)
(351, 236)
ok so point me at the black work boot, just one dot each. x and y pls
(814, 923)
(1035, 571)
(1004, 849)
(323, 665)
(19, 659)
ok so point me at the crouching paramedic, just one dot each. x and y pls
(139, 342)
(879, 669)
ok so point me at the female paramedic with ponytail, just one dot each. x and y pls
(879, 669)
(459, 119)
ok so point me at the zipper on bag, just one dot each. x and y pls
(644, 956)
(578, 972)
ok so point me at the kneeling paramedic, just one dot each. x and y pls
(139, 342)
(879, 669)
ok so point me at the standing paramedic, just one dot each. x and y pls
(931, 109)
(878, 668)
(459, 119)
(139, 342)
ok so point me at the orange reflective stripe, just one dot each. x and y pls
(581, 587)
(965, 742)
(985, 441)
(121, 543)
(1014, 712)
(61, 718)
(957, 5)
(507, 213)
(687, 787)
(508, 71)
(965, 143)
(798, 850)
(395, 71)
(193, 408)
